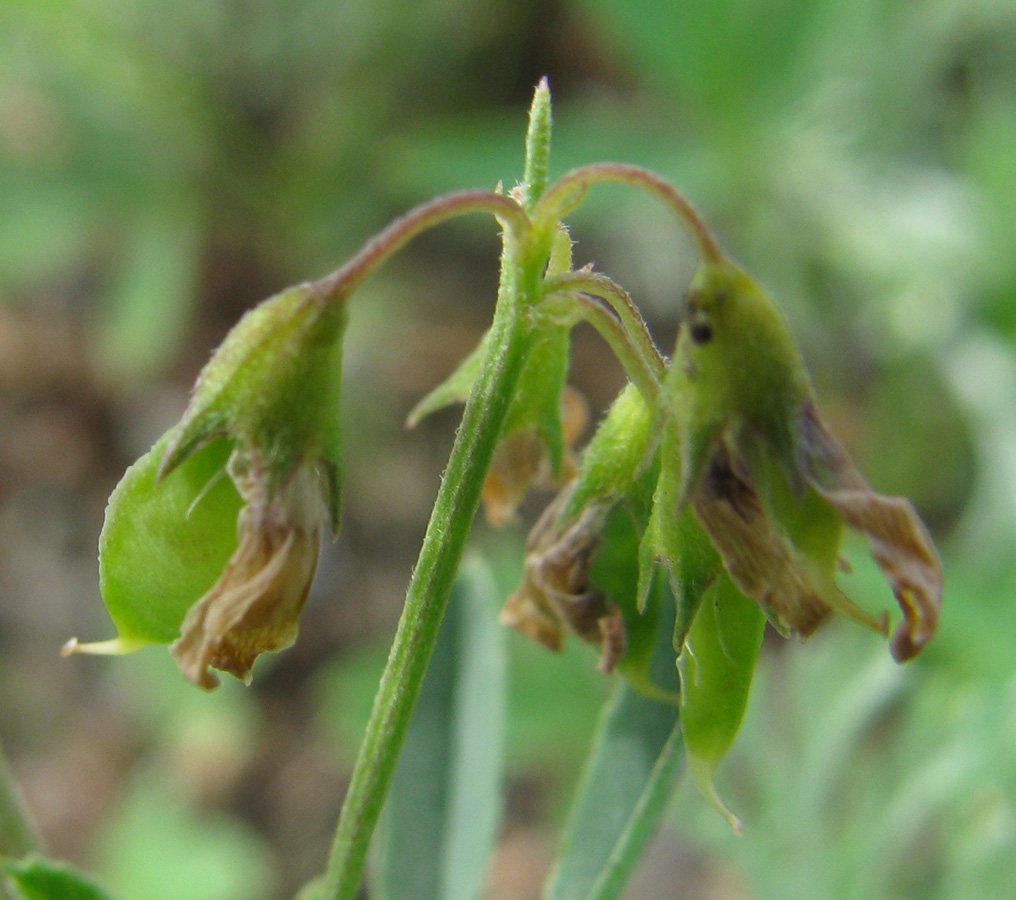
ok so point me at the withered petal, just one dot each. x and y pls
(555, 590)
(253, 607)
(755, 556)
(900, 543)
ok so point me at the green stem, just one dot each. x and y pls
(565, 193)
(18, 835)
(620, 324)
(420, 218)
(454, 509)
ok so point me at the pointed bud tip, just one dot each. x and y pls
(118, 646)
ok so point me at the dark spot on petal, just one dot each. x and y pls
(701, 333)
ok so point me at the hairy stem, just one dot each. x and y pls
(568, 191)
(454, 509)
(609, 308)
(408, 226)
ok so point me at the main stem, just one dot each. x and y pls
(454, 509)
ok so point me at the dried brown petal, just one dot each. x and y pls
(900, 543)
(521, 462)
(256, 603)
(555, 592)
(757, 559)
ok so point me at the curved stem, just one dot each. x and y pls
(568, 190)
(420, 218)
(619, 323)
(454, 509)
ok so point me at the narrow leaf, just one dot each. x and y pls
(445, 802)
(629, 776)
(42, 879)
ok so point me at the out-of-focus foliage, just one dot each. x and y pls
(165, 165)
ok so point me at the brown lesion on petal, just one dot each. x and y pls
(255, 605)
(756, 557)
(556, 593)
(899, 540)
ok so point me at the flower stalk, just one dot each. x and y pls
(454, 509)
(458, 499)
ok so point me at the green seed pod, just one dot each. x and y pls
(212, 538)
(716, 666)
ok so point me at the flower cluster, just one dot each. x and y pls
(740, 493)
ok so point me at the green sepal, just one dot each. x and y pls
(272, 386)
(676, 541)
(618, 455)
(614, 571)
(536, 406)
(717, 666)
(37, 878)
(454, 389)
(165, 543)
(457, 386)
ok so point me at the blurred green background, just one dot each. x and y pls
(163, 166)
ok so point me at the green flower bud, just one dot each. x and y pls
(211, 539)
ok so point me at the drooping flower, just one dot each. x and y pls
(770, 484)
(748, 495)
(211, 539)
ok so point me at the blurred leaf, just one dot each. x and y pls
(730, 58)
(42, 879)
(147, 315)
(628, 780)
(443, 810)
(160, 847)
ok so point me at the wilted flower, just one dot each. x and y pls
(211, 539)
(556, 592)
(255, 604)
(767, 480)
(522, 461)
(748, 495)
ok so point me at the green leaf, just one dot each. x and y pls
(454, 389)
(42, 879)
(164, 543)
(629, 777)
(152, 299)
(445, 802)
